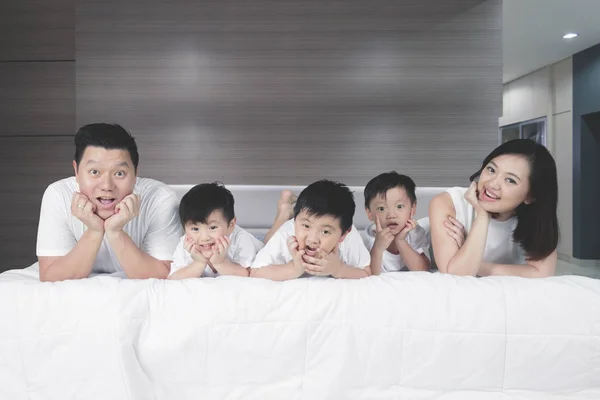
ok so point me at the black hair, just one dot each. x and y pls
(379, 186)
(537, 228)
(327, 197)
(201, 200)
(107, 136)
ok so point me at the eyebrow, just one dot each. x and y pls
(508, 173)
(119, 164)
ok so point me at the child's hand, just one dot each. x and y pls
(325, 264)
(190, 246)
(293, 245)
(455, 230)
(410, 225)
(220, 249)
(383, 237)
(297, 263)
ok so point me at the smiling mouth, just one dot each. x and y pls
(310, 250)
(106, 202)
(490, 195)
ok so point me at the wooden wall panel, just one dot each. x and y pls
(28, 166)
(38, 98)
(37, 30)
(286, 92)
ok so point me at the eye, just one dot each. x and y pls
(326, 232)
(381, 209)
(194, 229)
(120, 174)
(491, 169)
(305, 226)
(212, 228)
(511, 181)
(400, 206)
(94, 172)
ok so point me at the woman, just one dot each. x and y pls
(505, 223)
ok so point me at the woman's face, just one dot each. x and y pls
(504, 185)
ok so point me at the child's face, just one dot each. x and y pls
(205, 235)
(393, 210)
(314, 232)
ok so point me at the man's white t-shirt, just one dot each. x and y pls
(155, 230)
(418, 239)
(499, 247)
(242, 250)
(352, 249)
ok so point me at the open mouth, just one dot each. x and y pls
(393, 226)
(106, 202)
(206, 247)
(489, 196)
(310, 251)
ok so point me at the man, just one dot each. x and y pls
(105, 219)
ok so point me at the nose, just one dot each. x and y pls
(312, 238)
(107, 182)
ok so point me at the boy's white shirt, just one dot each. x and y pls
(242, 250)
(155, 230)
(276, 252)
(418, 239)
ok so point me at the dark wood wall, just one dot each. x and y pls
(247, 92)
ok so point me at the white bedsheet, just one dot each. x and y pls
(398, 336)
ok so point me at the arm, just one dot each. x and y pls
(277, 272)
(347, 272)
(449, 258)
(194, 270)
(136, 263)
(55, 236)
(533, 269)
(77, 264)
(413, 259)
(330, 264)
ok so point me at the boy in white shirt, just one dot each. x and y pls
(394, 238)
(213, 244)
(320, 240)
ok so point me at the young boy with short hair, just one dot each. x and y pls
(213, 243)
(395, 239)
(320, 240)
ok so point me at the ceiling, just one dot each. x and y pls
(533, 30)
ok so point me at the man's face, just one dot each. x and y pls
(105, 177)
(314, 233)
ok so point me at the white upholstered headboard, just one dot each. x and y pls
(256, 205)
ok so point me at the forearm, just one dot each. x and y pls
(522, 270)
(135, 263)
(282, 272)
(228, 267)
(376, 260)
(194, 270)
(348, 272)
(78, 263)
(414, 260)
(469, 257)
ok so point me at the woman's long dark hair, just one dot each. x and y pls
(537, 226)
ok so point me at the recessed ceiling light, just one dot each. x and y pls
(570, 35)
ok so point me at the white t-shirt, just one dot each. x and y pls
(155, 230)
(352, 249)
(418, 239)
(242, 250)
(499, 247)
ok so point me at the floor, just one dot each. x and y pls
(567, 268)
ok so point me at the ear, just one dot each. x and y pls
(529, 200)
(413, 209)
(369, 214)
(344, 235)
(75, 168)
(232, 223)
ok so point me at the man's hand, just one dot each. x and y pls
(84, 210)
(383, 237)
(410, 225)
(325, 264)
(125, 211)
(220, 249)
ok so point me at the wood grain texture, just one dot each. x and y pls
(38, 98)
(37, 30)
(29, 165)
(286, 92)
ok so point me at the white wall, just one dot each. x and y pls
(549, 92)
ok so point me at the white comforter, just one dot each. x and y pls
(400, 336)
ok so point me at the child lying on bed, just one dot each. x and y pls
(320, 239)
(213, 244)
(394, 238)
